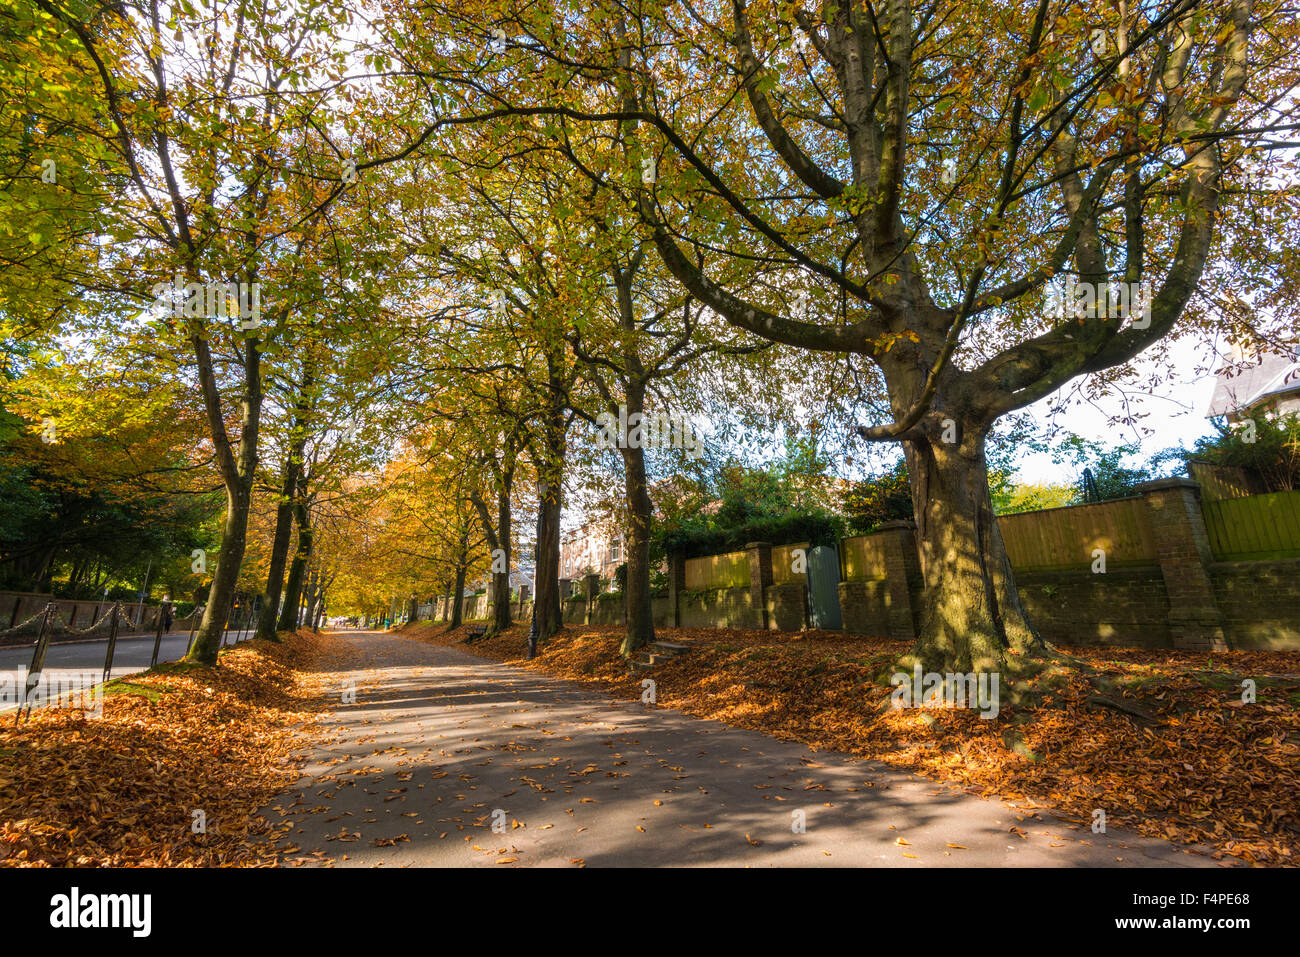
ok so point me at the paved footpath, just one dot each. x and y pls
(447, 759)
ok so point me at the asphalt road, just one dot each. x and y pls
(130, 656)
(446, 759)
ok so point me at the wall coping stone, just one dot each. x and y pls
(1176, 481)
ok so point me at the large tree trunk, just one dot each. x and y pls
(640, 613)
(318, 609)
(501, 616)
(297, 570)
(462, 564)
(547, 618)
(971, 618)
(279, 551)
(284, 509)
(309, 597)
(458, 600)
(234, 531)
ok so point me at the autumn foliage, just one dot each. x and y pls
(121, 790)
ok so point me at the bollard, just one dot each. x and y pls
(230, 617)
(194, 626)
(112, 640)
(157, 638)
(38, 662)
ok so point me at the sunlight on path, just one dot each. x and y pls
(445, 759)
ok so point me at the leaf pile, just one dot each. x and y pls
(1188, 761)
(121, 790)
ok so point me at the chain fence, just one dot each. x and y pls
(46, 624)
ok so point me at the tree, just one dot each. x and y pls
(923, 179)
(1265, 446)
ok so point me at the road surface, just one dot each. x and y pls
(130, 656)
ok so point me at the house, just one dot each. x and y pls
(594, 547)
(1250, 382)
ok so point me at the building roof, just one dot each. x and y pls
(1241, 388)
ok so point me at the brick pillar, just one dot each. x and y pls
(902, 565)
(676, 585)
(1183, 550)
(592, 582)
(523, 599)
(760, 576)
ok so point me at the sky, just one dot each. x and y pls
(1175, 415)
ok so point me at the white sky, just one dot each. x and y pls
(1174, 415)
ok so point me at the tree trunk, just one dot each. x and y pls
(284, 509)
(640, 613)
(318, 609)
(234, 531)
(293, 588)
(279, 551)
(971, 618)
(547, 619)
(458, 600)
(462, 564)
(309, 597)
(237, 473)
(547, 616)
(501, 616)
(498, 537)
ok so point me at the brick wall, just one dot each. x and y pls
(661, 607)
(864, 607)
(720, 608)
(1161, 588)
(1126, 607)
(786, 606)
(1260, 603)
(575, 610)
(609, 611)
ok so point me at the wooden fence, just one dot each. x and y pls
(783, 572)
(718, 571)
(1225, 481)
(862, 558)
(1058, 538)
(1256, 528)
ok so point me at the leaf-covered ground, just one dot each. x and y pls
(1187, 761)
(121, 790)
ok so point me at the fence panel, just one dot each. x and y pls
(718, 571)
(1059, 538)
(783, 572)
(862, 558)
(1257, 528)
(1224, 481)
